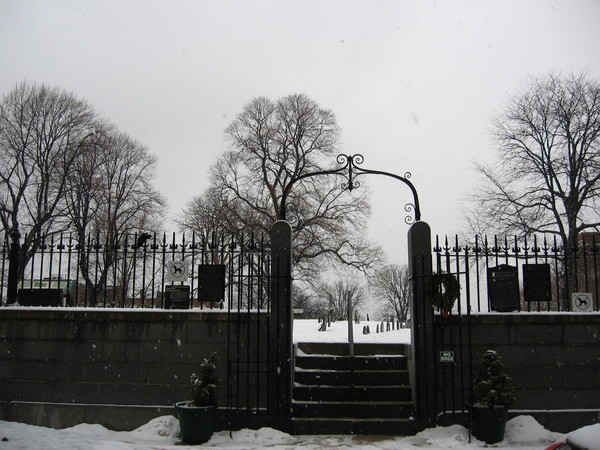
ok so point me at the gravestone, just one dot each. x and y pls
(503, 288)
(536, 282)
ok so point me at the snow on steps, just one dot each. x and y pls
(366, 394)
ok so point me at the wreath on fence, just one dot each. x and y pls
(446, 290)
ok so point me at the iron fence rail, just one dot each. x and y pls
(131, 271)
(575, 270)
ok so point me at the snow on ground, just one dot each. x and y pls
(522, 432)
(307, 330)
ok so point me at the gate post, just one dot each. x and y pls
(422, 357)
(280, 326)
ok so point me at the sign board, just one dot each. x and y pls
(40, 297)
(503, 288)
(582, 302)
(536, 282)
(177, 297)
(446, 356)
(177, 271)
(211, 282)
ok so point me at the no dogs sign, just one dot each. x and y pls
(582, 302)
(446, 356)
(176, 271)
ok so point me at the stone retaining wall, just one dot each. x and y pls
(553, 359)
(120, 368)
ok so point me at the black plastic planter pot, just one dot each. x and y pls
(489, 423)
(196, 423)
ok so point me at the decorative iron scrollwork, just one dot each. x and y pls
(409, 208)
(351, 170)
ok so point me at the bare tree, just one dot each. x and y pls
(110, 196)
(391, 285)
(43, 132)
(208, 213)
(272, 143)
(312, 306)
(341, 292)
(546, 179)
(110, 187)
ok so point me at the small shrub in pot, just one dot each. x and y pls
(197, 416)
(493, 394)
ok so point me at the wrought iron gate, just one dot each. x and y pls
(235, 275)
(445, 362)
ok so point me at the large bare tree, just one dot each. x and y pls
(547, 175)
(43, 132)
(110, 196)
(273, 142)
(61, 168)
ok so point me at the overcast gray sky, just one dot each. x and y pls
(413, 84)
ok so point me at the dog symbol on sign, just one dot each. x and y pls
(582, 302)
(177, 269)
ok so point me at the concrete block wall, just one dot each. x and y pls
(60, 367)
(119, 368)
(552, 358)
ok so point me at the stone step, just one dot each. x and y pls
(355, 410)
(340, 349)
(347, 363)
(375, 426)
(348, 378)
(368, 393)
(351, 393)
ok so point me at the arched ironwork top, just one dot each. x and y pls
(350, 168)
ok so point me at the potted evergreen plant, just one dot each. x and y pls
(197, 416)
(493, 393)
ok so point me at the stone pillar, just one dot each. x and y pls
(422, 357)
(280, 327)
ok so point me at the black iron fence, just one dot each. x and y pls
(496, 275)
(511, 274)
(142, 271)
(229, 275)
